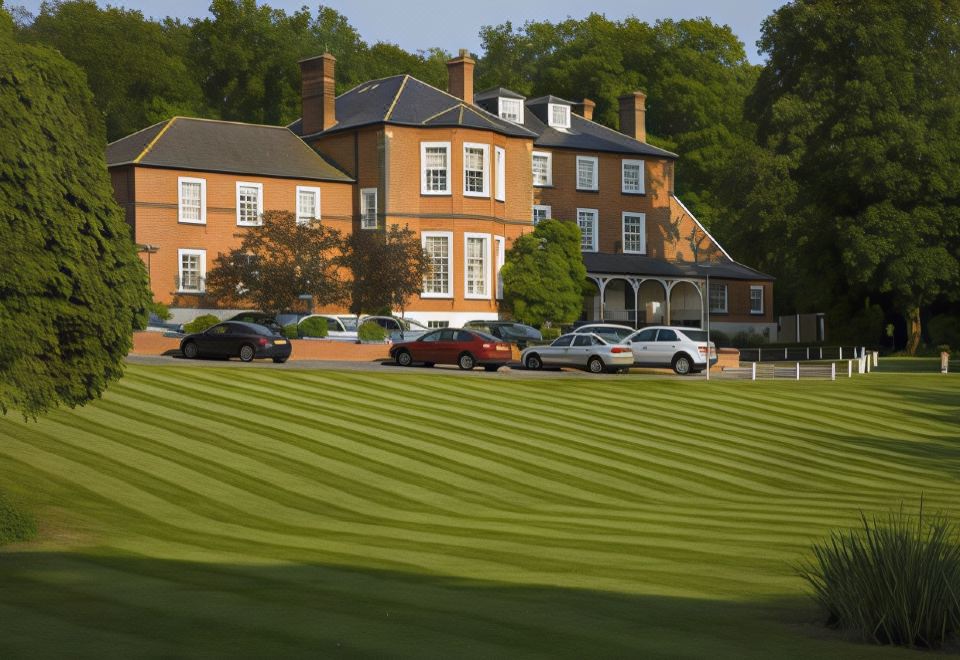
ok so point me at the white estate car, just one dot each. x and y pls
(338, 328)
(682, 349)
(612, 332)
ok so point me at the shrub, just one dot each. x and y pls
(160, 310)
(944, 329)
(314, 326)
(895, 580)
(747, 340)
(291, 331)
(720, 339)
(201, 323)
(550, 333)
(371, 332)
(15, 525)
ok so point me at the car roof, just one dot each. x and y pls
(604, 325)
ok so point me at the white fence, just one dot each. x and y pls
(863, 364)
(801, 353)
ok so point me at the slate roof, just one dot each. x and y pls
(406, 101)
(223, 146)
(638, 264)
(495, 93)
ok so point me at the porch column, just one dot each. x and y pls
(635, 283)
(669, 287)
(601, 283)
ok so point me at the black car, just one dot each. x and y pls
(511, 331)
(260, 318)
(235, 339)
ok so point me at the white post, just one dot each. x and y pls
(833, 371)
(759, 355)
(841, 352)
(849, 368)
(753, 371)
(808, 352)
(821, 352)
(875, 355)
(784, 354)
(798, 371)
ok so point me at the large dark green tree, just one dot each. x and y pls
(861, 103)
(72, 288)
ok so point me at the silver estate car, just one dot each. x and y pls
(583, 350)
(682, 349)
(613, 333)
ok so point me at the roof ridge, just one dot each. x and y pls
(230, 121)
(145, 128)
(442, 112)
(155, 139)
(393, 104)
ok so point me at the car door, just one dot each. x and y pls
(425, 348)
(213, 342)
(643, 346)
(580, 351)
(557, 352)
(665, 346)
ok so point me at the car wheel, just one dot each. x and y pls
(595, 365)
(190, 350)
(404, 359)
(533, 362)
(491, 367)
(247, 353)
(279, 360)
(466, 362)
(681, 365)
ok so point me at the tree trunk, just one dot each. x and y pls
(913, 330)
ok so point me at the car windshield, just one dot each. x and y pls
(695, 335)
(349, 322)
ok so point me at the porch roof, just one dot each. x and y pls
(639, 265)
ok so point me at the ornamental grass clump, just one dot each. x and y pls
(894, 580)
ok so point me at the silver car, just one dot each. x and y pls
(397, 329)
(682, 349)
(613, 333)
(584, 350)
(336, 327)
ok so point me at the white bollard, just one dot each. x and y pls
(841, 352)
(833, 371)
(849, 368)
(876, 355)
(798, 371)
(753, 371)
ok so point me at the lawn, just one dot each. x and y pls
(260, 512)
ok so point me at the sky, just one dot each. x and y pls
(421, 24)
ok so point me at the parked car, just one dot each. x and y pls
(511, 331)
(682, 349)
(260, 318)
(584, 350)
(246, 341)
(464, 348)
(336, 327)
(397, 329)
(612, 332)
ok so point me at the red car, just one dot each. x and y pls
(464, 348)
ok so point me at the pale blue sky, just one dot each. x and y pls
(417, 24)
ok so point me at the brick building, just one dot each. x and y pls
(468, 172)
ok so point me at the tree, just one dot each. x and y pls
(276, 263)
(862, 101)
(72, 288)
(388, 268)
(543, 275)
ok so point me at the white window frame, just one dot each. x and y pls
(423, 242)
(203, 269)
(756, 287)
(500, 243)
(643, 231)
(500, 110)
(542, 207)
(500, 163)
(259, 187)
(485, 148)
(550, 118)
(203, 200)
(623, 179)
(365, 210)
(316, 204)
(549, 157)
(596, 227)
(726, 298)
(596, 172)
(486, 266)
(423, 168)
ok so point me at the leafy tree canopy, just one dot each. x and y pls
(72, 288)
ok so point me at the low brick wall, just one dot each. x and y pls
(726, 357)
(154, 343)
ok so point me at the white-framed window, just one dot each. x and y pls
(559, 115)
(631, 177)
(718, 298)
(511, 110)
(476, 265)
(541, 212)
(249, 203)
(499, 243)
(542, 168)
(368, 208)
(438, 282)
(438, 324)
(756, 299)
(476, 169)
(587, 221)
(191, 270)
(587, 172)
(500, 165)
(192, 196)
(634, 233)
(435, 168)
(308, 204)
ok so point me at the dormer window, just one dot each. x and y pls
(511, 110)
(559, 115)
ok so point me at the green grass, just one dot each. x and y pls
(260, 512)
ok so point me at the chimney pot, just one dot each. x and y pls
(460, 76)
(633, 115)
(317, 93)
(585, 109)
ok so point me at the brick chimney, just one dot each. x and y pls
(460, 76)
(633, 115)
(585, 109)
(317, 97)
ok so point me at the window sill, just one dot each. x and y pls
(590, 190)
(633, 193)
(191, 222)
(544, 185)
(641, 252)
(190, 292)
(437, 296)
(435, 194)
(250, 224)
(590, 250)
(756, 314)
(476, 296)
(476, 195)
